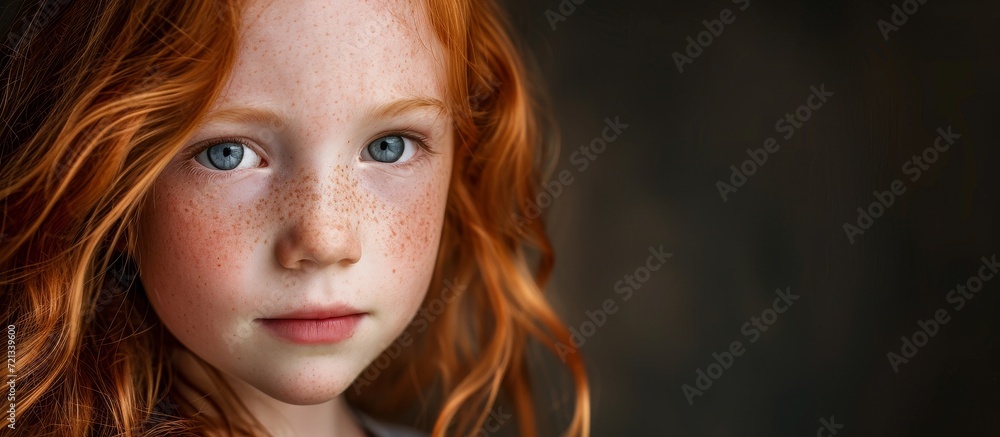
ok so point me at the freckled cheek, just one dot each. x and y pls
(412, 227)
(407, 245)
(191, 251)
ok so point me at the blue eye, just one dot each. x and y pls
(227, 155)
(390, 148)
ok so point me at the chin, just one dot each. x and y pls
(303, 389)
(296, 375)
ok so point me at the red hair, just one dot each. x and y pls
(100, 101)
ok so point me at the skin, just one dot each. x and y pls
(314, 221)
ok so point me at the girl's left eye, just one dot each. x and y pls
(389, 149)
(228, 155)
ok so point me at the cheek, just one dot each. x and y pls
(188, 256)
(414, 227)
(414, 217)
(404, 222)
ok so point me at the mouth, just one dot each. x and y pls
(315, 325)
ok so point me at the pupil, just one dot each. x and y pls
(384, 145)
(227, 151)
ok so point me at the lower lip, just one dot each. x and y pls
(314, 331)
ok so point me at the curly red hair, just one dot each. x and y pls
(98, 102)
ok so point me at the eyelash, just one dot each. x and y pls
(421, 141)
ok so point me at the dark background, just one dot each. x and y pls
(656, 185)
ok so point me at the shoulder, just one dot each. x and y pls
(385, 429)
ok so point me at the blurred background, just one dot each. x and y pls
(823, 363)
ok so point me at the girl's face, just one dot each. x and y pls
(308, 188)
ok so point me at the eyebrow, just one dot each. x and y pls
(397, 107)
(264, 116)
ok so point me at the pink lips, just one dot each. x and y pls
(316, 325)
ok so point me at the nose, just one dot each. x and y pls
(319, 230)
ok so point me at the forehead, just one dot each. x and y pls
(323, 57)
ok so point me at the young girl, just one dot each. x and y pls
(294, 217)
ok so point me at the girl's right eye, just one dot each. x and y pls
(228, 155)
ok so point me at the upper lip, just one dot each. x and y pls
(319, 312)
